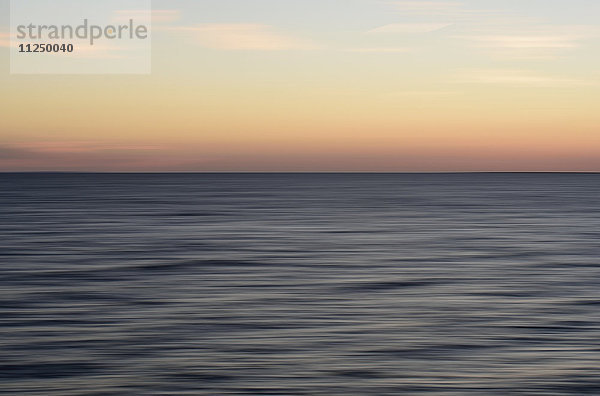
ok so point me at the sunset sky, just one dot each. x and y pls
(325, 85)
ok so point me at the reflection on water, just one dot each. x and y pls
(300, 284)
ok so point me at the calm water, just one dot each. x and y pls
(300, 284)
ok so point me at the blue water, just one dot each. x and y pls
(303, 284)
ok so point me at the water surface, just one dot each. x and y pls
(303, 284)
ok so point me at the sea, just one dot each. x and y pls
(299, 284)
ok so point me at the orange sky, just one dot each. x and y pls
(401, 89)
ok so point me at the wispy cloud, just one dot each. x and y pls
(379, 50)
(73, 155)
(5, 40)
(12, 153)
(409, 28)
(499, 33)
(518, 42)
(442, 11)
(157, 16)
(530, 42)
(244, 37)
(520, 78)
(426, 6)
(82, 147)
(448, 10)
(519, 36)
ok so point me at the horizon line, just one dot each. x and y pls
(297, 172)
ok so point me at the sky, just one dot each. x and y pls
(325, 85)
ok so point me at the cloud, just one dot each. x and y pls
(91, 155)
(499, 33)
(526, 41)
(69, 147)
(81, 147)
(5, 40)
(379, 50)
(12, 153)
(410, 28)
(520, 78)
(74, 155)
(529, 42)
(244, 37)
(158, 16)
(449, 10)
(426, 6)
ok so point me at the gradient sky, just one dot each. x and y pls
(326, 85)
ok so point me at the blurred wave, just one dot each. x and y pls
(300, 284)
